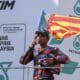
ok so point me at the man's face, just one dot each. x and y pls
(42, 39)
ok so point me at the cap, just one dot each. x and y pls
(44, 33)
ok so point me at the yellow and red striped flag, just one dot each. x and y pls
(60, 26)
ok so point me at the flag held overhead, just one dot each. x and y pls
(60, 26)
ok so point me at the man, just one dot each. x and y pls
(47, 61)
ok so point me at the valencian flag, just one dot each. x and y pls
(43, 26)
(60, 26)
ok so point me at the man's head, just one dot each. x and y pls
(43, 37)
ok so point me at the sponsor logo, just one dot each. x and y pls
(76, 7)
(76, 43)
(7, 4)
(3, 71)
(69, 68)
(74, 51)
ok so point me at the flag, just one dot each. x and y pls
(60, 26)
(43, 25)
(43, 21)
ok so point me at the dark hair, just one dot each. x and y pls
(44, 33)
